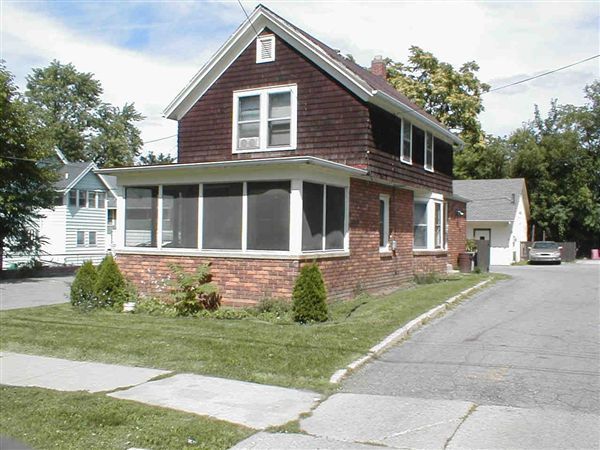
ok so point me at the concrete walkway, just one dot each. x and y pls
(253, 405)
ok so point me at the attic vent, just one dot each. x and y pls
(265, 49)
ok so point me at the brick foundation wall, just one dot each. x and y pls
(457, 231)
(245, 281)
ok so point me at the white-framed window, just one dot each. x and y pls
(428, 157)
(430, 224)
(80, 238)
(73, 198)
(91, 200)
(265, 48)
(384, 222)
(264, 119)
(101, 199)
(82, 198)
(92, 238)
(406, 142)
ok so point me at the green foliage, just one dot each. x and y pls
(25, 183)
(152, 158)
(83, 288)
(279, 306)
(471, 245)
(68, 104)
(193, 292)
(427, 278)
(155, 306)
(111, 287)
(487, 160)
(225, 314)
(309, 297)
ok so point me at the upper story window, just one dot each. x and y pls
(264, 119)
(428, 151)
(406, 151)
(265, 49)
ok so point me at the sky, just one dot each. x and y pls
(145, 52)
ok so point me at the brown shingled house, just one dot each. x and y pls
(289, 153)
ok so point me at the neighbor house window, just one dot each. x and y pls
(101, 199)
(91, 200)
(406, 153)
(73, 198)
(428, 151)
(420, 225)
(222, 216)
(58, 199)
(323, 217)
(82, 199)
(80, 238)
(384, 222)
(264, 119)
(92, 238)
(268, 215)
(180, 216)
(140, 216)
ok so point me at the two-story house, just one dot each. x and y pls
(290, 153)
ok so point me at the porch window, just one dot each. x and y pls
(406, 154)
(141, 216)
(429, 151)
(180, 216)
(264, 119)
(323, 217)
(222, 216)
(420, 225)
(268, 215)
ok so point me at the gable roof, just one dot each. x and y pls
(492, 200)
(366, 86)
(70, 173)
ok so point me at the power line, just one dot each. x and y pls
(160, 139)
(248, 17)
(543, 74)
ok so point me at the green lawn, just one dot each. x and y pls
(302, 356)
(46, 419)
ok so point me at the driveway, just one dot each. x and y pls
(517, 366)
(30, 292)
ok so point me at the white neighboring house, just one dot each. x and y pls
(80, 226)
(499, 212)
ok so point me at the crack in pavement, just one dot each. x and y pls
(463, 420)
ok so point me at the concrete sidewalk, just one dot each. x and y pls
(253, 405)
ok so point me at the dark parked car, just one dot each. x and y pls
(544, 251)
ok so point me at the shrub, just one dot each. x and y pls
(427, 278)
(155, 306)
(193, 292)
(309, 297)
(278, 306)
(111, 287)
(83, 288)
(225, 314)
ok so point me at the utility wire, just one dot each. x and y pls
(248, 17)
(160, 139)
(543, 74)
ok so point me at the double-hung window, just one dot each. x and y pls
(428, 151)
(91, 199)
(384, 222)
(420, 225)
(264, 119)
(430, 225)
(406, 151)
(82, 198)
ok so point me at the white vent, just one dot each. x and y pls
(248, 143)
(265, 49)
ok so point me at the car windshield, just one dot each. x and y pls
(545, 245)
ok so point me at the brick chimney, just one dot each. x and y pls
(378, 67)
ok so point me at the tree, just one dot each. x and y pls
(68, 105)
(309, 296)
(25, 182)
(152, 158)
(454, 98)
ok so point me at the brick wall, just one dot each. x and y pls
(427, 262)
(457, 231)
(244, 281)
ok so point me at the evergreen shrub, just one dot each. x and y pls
(309, 297)
(83, 288)
(111, 287)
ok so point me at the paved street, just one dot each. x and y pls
(29, 292)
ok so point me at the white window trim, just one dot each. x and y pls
(89, 233)
(386, 223)
(427, 167)
(263, 117)
(402, 158)
(430, 214)
(295, 248)
(77, 244)
(259, 41)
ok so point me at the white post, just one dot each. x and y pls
(296, 217)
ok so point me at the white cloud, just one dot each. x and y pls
(509, 40)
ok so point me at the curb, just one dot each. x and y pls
(403, 333)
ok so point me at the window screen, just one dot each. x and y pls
(406, 140)
(140, 216)
(334, 217)
(80, 238)
(92, 238)
(269, 215)
(279, 119)
(222, 216)
(312, 216)
(420, 225)
(249, 122)
(180, 216)
(428, 150)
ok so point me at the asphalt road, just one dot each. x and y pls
(30, 292)
(516, 366)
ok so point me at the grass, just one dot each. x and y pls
(285, 354)
(46, 419)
